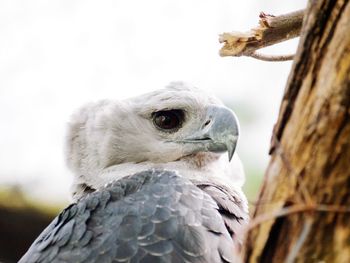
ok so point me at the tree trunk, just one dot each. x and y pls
(303, 210)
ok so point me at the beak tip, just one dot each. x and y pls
(230, 155)
(230, 151)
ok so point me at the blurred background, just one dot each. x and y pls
(57, 55)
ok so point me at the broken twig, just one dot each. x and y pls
(271, 30)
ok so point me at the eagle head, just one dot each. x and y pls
(179, 128)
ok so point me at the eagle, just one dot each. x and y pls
(156, 179)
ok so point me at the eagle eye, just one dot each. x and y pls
(168, 120)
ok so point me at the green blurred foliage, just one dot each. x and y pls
(251, 187)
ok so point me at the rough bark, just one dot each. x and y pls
(303, 210)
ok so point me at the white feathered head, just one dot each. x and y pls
(164, 126)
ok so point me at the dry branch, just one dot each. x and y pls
(271, 30)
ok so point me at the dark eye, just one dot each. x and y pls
(168, 119)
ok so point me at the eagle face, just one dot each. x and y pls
(159, 128)
(179, 121)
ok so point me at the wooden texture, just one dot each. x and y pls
(271, 30)
(310, 150)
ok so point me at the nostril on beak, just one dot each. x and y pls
(206, 123)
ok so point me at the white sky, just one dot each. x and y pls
(57, 55)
